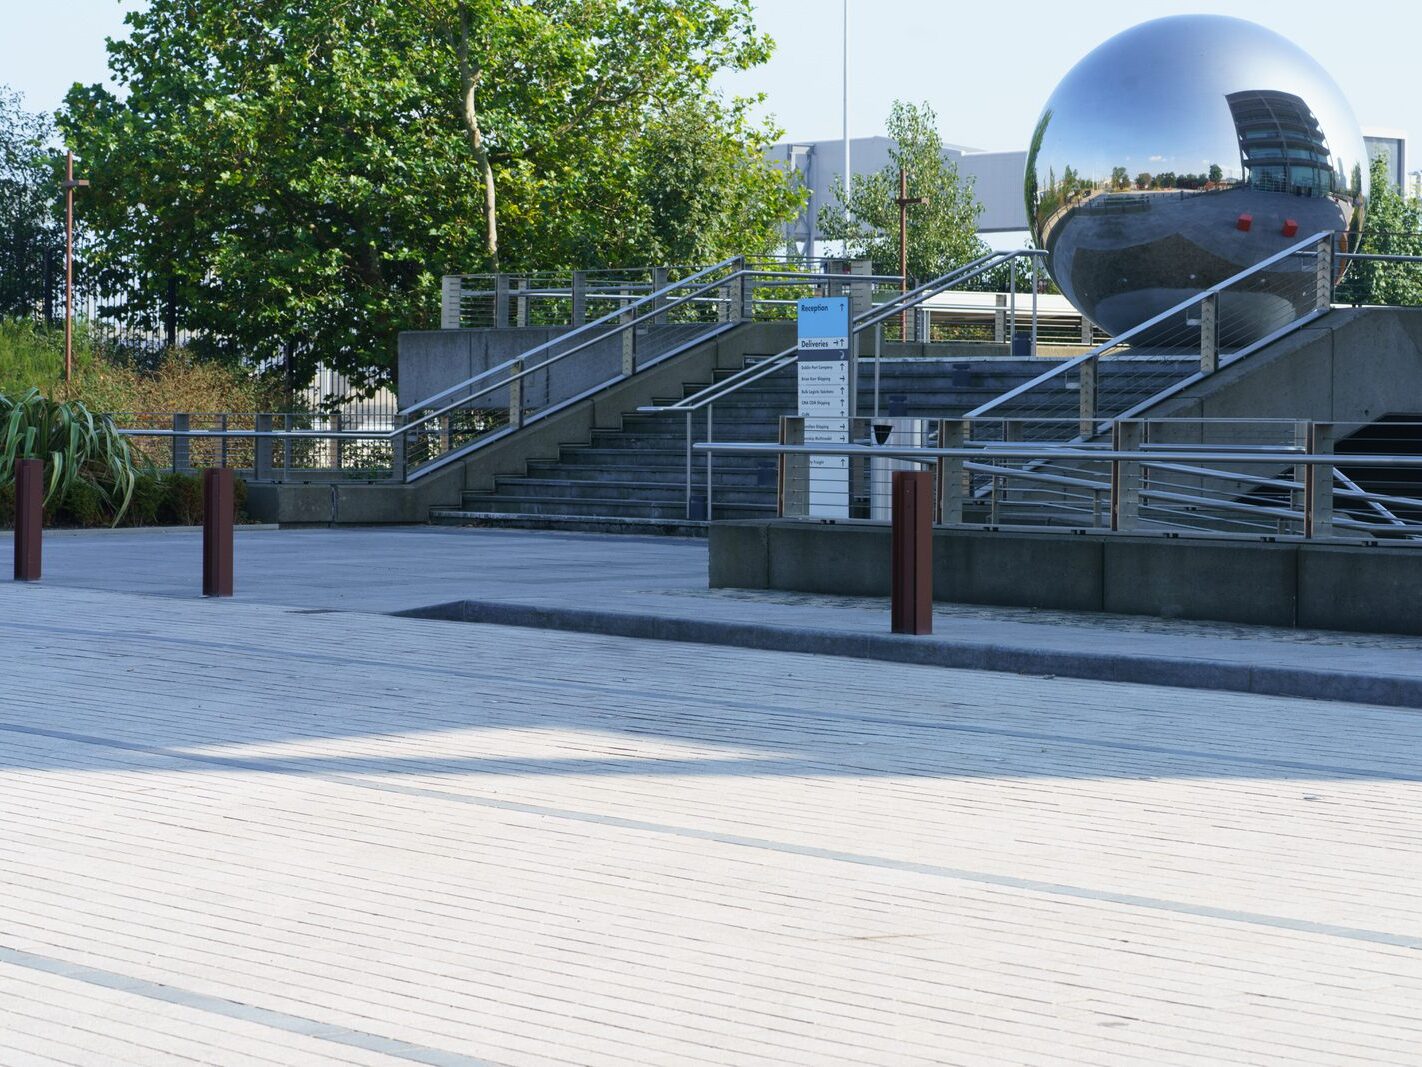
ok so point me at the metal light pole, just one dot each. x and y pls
(69, 185)
(846, 110)
(905, 202)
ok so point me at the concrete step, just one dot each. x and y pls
(761, 475)
(630, 490)
(571, 523)
(602, 507)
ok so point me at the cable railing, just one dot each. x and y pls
(1176, 348)
(1266, 479)
(901, 306)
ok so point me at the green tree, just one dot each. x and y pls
(1392, 226)
(29, 192)
(305, 173)
(942, 233)
(1216, 173)
(1120, 179)
(1143, 180)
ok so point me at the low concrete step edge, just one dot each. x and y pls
(1265, 680)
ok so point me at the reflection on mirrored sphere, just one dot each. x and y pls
(1180, 152)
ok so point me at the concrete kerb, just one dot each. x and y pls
(1106, 666)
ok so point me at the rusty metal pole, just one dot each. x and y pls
(69, 185)
(29, 518)
(905, 202)
(911, 561)
(217, 499)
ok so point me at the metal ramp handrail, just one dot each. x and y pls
(1092, 421)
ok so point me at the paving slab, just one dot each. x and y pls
(242, 832)
(653, 587)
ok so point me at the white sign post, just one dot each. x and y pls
(825, 401)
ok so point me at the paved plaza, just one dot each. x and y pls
(283, 830)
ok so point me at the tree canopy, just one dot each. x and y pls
(29, 191)
(1392, 226)
(304, 173)
(942, 233)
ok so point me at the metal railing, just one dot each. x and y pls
(1267, 479)
(1176, 348)
(901, 306)
(572, 298)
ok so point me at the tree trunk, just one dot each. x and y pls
(470, 73)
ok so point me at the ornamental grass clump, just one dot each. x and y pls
(81, 451)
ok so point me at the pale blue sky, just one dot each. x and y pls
(985, 67)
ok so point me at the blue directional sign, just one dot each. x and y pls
(823, 328)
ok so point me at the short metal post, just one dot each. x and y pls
(1126, 476)
(501, 301)
(451, 302)
(911, 561)
(629, 335)
(580, 297)
(1034, 305)
(262, 450)
(1210, 334)
(951, 475)
(660, 277)
(29, 518)
(1087, 398)
(521, 286)
(217, 506)
(182, 446)
(1318, 482)
(1323, 267)
(516, 394)
(709, 437)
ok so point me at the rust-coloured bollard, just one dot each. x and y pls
(29, 518)
(217, 507)
(912, 560)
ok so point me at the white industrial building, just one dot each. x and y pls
(996, 178)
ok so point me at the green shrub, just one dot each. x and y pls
(83, 506)
(182, 500)
(75, 445)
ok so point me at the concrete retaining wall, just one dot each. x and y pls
(1317, 586)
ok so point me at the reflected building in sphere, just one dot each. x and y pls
(1180, 152)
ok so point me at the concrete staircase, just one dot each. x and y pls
(632, 477)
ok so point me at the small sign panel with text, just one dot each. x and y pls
(824, 400)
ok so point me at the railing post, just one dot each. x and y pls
(999, 318)
(629, 336)
(793, 493)
(1087, 397)
(336, 425)
(580, 297)
(520, 286)
(660, 277)
(1034, 304)
(501, 301)
(451, 302)
(182, 446)
(399, 453)
(736, 308)
(222, 450)
(1126, 476)
(1086, 337)
(1318, 482)
(217, 506)
(951, 487)
(1210, 334)
(516, 395)
(285, 445)
(29, 518)
(262, 450)
(1323, 275)
(911, 560)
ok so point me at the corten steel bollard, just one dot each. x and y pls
(912, 559)
(217, 532)
(29, 518)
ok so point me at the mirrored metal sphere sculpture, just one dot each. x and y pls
(1180, 152)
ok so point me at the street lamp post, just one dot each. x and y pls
(905, 202)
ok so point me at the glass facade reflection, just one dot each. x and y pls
(1158, 142)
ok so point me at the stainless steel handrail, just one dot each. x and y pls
(1136, 331)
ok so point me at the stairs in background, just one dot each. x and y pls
(632, 478)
